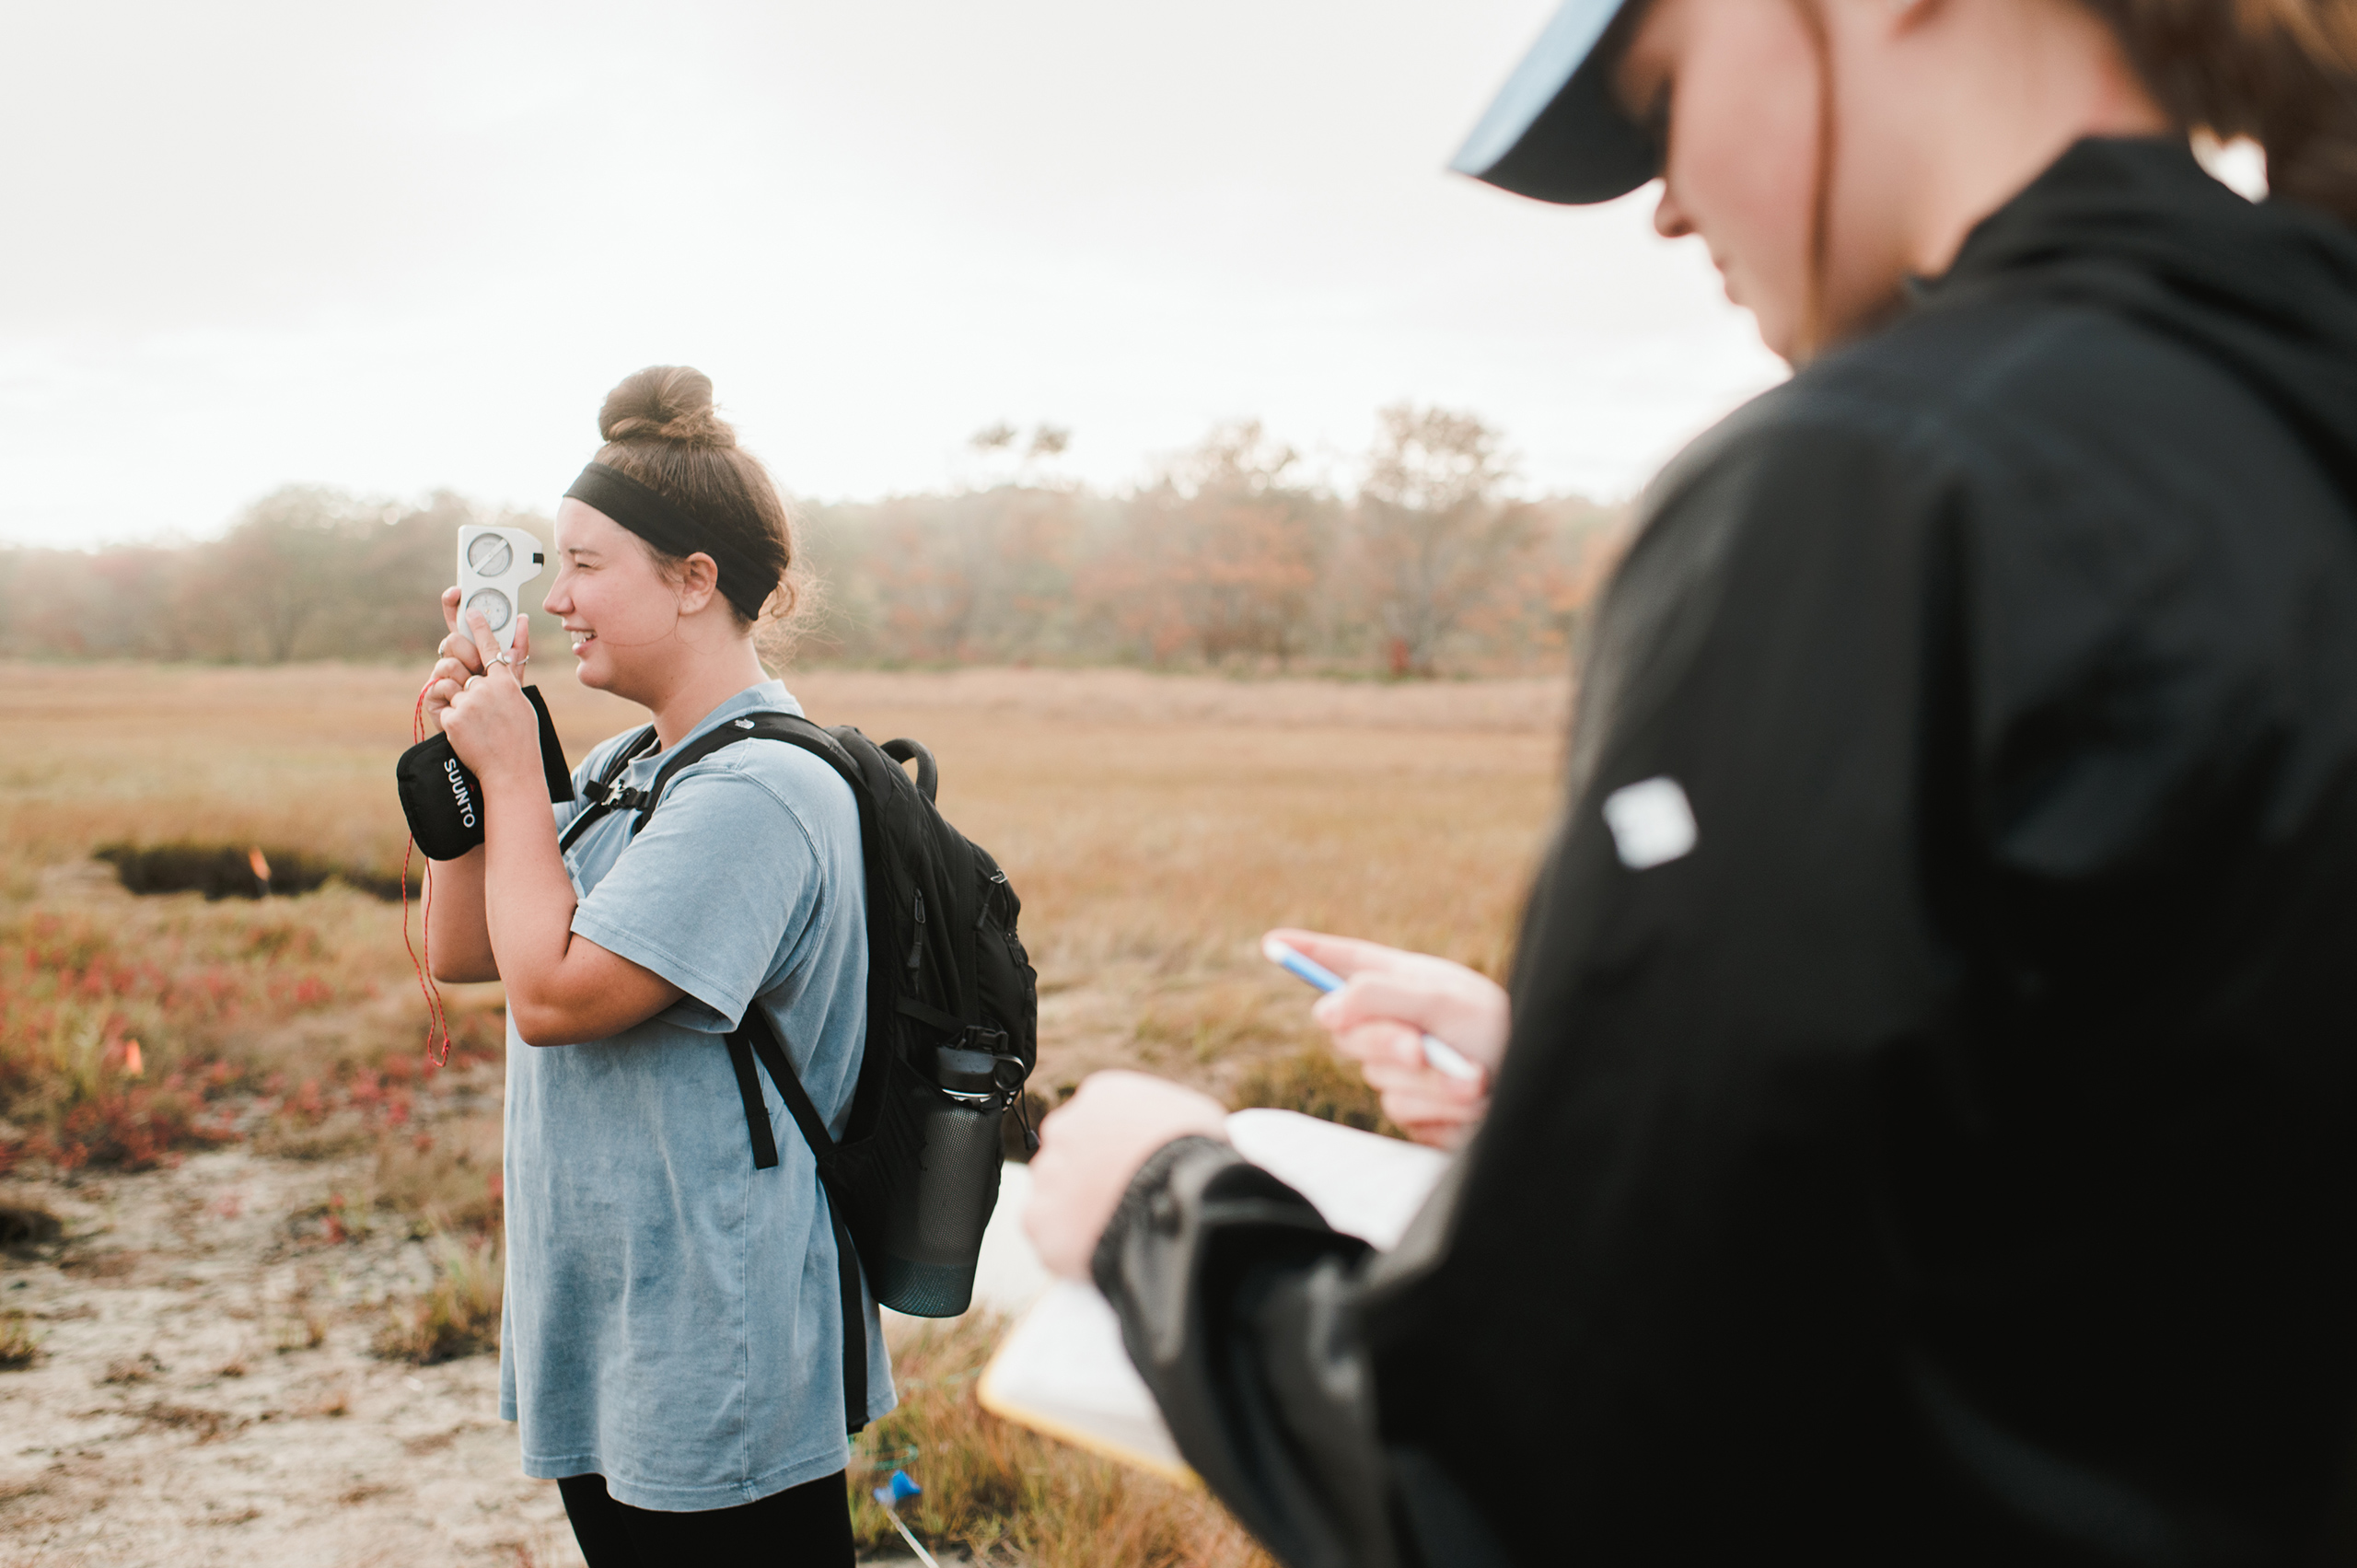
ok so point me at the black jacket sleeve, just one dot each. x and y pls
(1234, 1297)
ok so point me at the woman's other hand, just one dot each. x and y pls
(490, 722)
(455, 658)
(1392, 999)
(1090, 1149)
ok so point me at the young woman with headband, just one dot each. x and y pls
(1924, 1120)
(671, 1346)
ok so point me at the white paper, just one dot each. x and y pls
(1063, 1370)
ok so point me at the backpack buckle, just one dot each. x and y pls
(618, 798)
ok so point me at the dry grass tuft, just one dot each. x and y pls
(447, 1186)
(447, 1180)
(19, 1346)
(459, 1316)
(307, 1330)
(1009, 1496)
(305, 1325)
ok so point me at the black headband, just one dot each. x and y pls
(645, 513)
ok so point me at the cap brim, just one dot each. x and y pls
(1554, 131)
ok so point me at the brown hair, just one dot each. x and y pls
(661, 430)
(2281, 72)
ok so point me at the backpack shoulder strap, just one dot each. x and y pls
(792, 729)
(602, 794)
(605, 795)
(799, 732)
(753, 1037)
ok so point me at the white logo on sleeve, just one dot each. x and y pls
(1651, 823)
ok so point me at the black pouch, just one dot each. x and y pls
(444, 803)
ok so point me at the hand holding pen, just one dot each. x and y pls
(1429, 1034)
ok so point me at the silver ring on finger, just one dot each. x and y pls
(471, 683)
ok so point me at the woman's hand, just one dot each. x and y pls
(1392, 999)
(1092, 1146)
(490, 722)
(455, 658)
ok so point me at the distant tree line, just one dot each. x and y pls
(1227, 558)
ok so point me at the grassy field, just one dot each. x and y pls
(1154, 827)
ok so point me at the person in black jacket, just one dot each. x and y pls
(1925, 1128)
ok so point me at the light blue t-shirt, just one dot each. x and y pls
(673, 1320)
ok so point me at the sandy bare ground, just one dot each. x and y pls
(205, 1392)
(180, 1411)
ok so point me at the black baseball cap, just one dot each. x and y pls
(1554, 131)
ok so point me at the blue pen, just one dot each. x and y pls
(1440, 1056)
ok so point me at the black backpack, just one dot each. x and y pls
(952, 1030)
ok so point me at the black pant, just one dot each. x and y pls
(803, 1526)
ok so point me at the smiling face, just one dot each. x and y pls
(614, 601)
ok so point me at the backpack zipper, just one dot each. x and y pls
(916, 949)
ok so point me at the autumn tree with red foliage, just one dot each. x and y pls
(1222, 556)
(1436, 544)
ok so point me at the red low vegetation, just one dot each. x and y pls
(124, 1041)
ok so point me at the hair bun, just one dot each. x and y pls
(665, 402)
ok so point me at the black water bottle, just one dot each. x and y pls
(935, 1236)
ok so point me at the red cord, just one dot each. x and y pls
(436, 1018)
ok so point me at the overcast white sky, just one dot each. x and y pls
(391, 249)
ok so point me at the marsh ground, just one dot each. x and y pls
(270, 1210)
